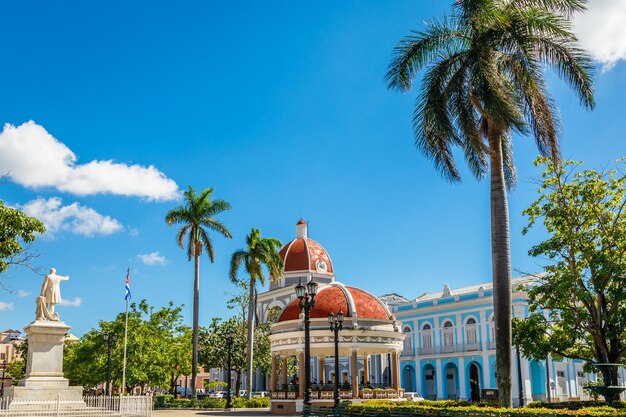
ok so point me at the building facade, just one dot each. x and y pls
(449, 349)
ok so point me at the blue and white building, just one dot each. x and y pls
(449, 348)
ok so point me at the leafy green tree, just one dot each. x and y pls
(158, 351)
(17, 231)
(16, 369)
(259, 252)
(213, 347)
(584, 286)
(485, 82)
(197, 217)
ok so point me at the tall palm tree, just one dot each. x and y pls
(484, 82)
(260, 251)
(197, 217)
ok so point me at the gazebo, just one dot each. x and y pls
(368, 329)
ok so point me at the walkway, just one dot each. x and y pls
(258, 412)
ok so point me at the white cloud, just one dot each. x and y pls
(76, 302)
(601, 30)
(5, 306)
(33, 158)
(74, 218)
(153, 258)
(23, 293)
(133, 231)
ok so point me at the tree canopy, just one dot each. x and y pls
(159, 349)
(584, 287)
(17, 231)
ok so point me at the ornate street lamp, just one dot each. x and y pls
(230, 336)
(109, 342)
(306, 294)
(336, 324)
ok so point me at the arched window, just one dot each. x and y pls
(427, 339)
(408, 342)
(448, 337)
(471, 334)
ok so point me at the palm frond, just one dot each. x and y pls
(417, 50)
(564, 7)
(208, 243)
(237, 258)
(180, 236)
(216, 226)
(572, 64)
(177, 215)
(432, 125)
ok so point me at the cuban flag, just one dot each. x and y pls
(127, 296)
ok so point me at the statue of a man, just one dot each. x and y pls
(50, 296)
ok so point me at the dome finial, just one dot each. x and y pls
(301, 229)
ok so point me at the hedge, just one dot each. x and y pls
(168, 401)
(574, 405)
(382, 408)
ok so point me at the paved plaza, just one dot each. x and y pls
(255, 412)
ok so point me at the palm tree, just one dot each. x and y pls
(197, 217)
(260, 251)
(484, 82)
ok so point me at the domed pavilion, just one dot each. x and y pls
(369, 329)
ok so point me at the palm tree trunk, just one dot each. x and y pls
(501, 266)
(250, 337)
(196, 302)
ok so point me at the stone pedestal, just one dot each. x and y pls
(44, 367)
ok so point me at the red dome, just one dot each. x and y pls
(304, 254)
(339, 297)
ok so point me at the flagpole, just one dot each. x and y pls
(126, 297)
(125, 340)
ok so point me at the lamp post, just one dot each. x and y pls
(336, 324)
(306, 294)
(109, 342)
(229, 340)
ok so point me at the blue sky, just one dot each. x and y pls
(282, 108)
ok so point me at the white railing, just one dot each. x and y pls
(95, 406)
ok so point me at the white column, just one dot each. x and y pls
(418, 377)
(462, 382)
(528, 397)
(440, 377)
(484, 325)
(436, 333)
(459, 333)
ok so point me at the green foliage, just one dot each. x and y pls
(16, 229)
(197, 217)
(574, 405)
(168, 401)
(584, 287)
(17, 368)
(259, 252)
(484, 74)
(381, 408)
(158, 352)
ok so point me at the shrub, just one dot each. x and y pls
(573, 405)
(381, 408)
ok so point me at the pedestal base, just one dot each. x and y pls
(46, 395)
(44, 384)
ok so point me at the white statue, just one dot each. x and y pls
(50, 296)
